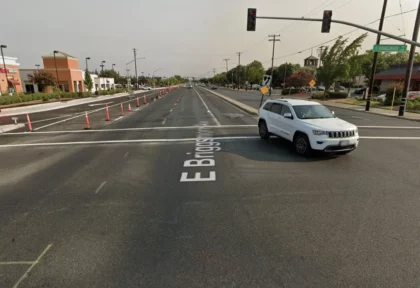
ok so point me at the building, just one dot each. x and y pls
(13, 81)
(311, 62)
(100, 83)
(28, 85)
(396, 74)
(70, 77)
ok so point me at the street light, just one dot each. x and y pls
(153, 76)
(4, 65)
(87, 67)
(113, 66)
(56, 70)
(102, 65)
(37, 65)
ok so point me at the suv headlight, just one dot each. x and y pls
(318, 132)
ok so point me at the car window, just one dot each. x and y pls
(312, 112)
(267, 106)
(285, 109)
(276, 108)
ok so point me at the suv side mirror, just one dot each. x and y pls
(288, 115)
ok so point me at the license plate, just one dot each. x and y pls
(344, 143)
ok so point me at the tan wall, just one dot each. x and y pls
(14, 76)
(62, 63)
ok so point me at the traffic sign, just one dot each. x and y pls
(390, 48)
(264, 90)
(266, 80)
(312, 83)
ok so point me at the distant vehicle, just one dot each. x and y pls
(189, 86)
(146, 88)
(380, 97)
(340, 88)
(213, 87)
(308, 125)
(360, 91)
(320, 88)
(411, 95)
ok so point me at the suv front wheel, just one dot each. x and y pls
(263, 130)
(302, 144)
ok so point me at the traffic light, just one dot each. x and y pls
(252, 19)
(326, 21)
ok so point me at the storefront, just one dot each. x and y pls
(12, 83)
(396, 74)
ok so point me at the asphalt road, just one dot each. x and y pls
(116, 206)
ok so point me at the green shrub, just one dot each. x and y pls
(5, 100)
(292, 91)
(37, 96)
(103, 92)
(337, 95)
(28, 98)
(318, 95)
(45, 98)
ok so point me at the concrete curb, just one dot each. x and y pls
(235, 103)
(368, 112)
(8, 128)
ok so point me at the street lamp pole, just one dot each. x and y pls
(153, 76)
(87, 67)
(4, 65)
(56, 69)
(113, 67)
(37, 65)
(102, 65)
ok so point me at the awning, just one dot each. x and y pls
(13, 82)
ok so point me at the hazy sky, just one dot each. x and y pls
(186, 37)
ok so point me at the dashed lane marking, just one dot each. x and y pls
(126, 154)
(164, 121)
(17, 263)
(100, 186)
(119, 118)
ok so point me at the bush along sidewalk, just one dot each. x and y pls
(45, 97)
(329, 95)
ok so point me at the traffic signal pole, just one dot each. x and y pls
(410, 65)
(375, 58)
(274, 40)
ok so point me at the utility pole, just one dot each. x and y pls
(410, 65)
(375, 59)
(227, 68)
(135, 67)
(274, 40)
(239, 64)
(214, 72)
(284, 78)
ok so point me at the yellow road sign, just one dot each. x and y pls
(264, 90)
(312, 83)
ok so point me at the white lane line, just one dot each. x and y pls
(17, 263)
(390, 127)
(125, 129)
(137, 109)
(59, 117)
(208, 110)
(171, 110)
(126, 154)
(100, 186)
(125, 141)
(170, 141)
(32, 266)
(119, 118)
(164, 121)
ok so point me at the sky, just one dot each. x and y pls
(185, 37)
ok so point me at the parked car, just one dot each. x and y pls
(308, 125)
(320, 88)
(381, 97)
(213, 87)
(411, 95)
(360, 91)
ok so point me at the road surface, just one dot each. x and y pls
(123, 205)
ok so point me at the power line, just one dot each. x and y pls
(402, 18)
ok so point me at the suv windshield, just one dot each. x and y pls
(312, 112)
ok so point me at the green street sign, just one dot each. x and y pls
(390, 48)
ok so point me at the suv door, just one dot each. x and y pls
(287, 127)
(275, 123)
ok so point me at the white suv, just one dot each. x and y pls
(309, 125)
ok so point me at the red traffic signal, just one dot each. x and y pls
(326, 21)
(252, 19)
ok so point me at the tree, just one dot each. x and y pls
(254, 72)
(88, 81)
(300, 78)
(279, 73)
(42, 78)
(335, 60)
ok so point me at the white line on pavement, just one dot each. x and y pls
(124, 129)
(390, 127)
(119, 118)
(170, 141)
(164, 121)
(32, 266)
(208, 109)
(126, 154)
(17, 263)
(100, 186)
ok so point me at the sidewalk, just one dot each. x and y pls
(59, 105)
(378, 111)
